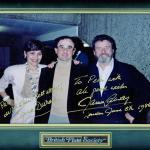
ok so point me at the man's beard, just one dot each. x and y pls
(104, 59)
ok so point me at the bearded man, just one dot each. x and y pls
(118, 91)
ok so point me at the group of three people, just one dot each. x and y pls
(106, 92)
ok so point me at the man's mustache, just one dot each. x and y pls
(104, 55)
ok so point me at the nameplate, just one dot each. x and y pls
(75, 140)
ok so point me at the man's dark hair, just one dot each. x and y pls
(33, 45)
(56, 41)
(103, 37)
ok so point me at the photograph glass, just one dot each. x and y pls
(60, 98)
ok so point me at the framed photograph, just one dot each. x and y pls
(130, 29)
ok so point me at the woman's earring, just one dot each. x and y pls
(25, 56)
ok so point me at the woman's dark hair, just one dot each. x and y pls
(33, 45)
(103, 37)
(56, 41)
(78, 43)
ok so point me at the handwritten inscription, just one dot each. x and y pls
(94, 114)
(78, 80)
(118, 77)
(88, 101)
(110, 111)
(7, 113)
(143, 106)
(42, 93)
(101, 106)
(118, 87)
(44, 104)
(3, 104)
(82, 91)
(95, 90)
(94, 79)
(106, 112)
(50, 90)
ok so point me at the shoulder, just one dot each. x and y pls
(46, 70)
(126, 66)
(130, 71)
(15, 68)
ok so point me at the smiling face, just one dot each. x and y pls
(65, 49)
(103, 51)
(33, 57)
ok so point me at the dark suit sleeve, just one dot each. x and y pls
(141, 86)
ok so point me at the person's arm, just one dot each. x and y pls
(51, 65)
(141, 87)
(6, 79)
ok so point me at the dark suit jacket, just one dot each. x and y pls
(127, 90)
(44, 100)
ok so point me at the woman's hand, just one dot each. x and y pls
(10, 102)
(129, 117)
(76, 62)
(51, 65)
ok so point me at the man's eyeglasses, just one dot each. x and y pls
(61, 47)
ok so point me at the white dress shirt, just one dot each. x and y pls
(104, 74)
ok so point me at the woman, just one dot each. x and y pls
(24, 79)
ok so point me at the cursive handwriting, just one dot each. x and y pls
(50, 90)
(39, 105)
(94, 114)
(109, 111)
(89, 101)
(115, 78)
(118, 87)
(94, 79)
(129, 108)
(82, 91)
(78, 79)
(98, 90)
(7, 113)
(113, 98)
(143, 106)
(3, 104)
(40, 94)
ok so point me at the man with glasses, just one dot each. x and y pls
(119, 93)
(57, 96)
